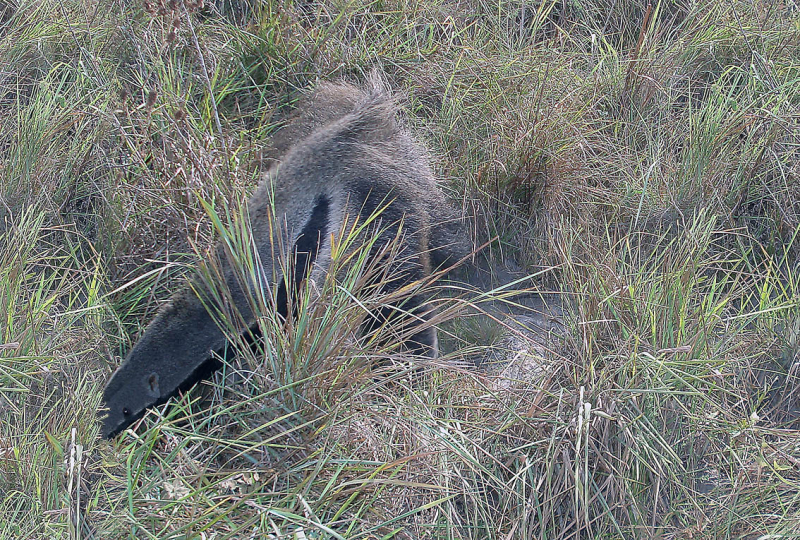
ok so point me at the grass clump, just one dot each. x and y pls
(638, 160)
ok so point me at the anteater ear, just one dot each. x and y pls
(152, 385)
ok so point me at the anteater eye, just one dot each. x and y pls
(126, 411)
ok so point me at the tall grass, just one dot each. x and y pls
(640, 161)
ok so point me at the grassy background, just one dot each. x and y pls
(643, 161)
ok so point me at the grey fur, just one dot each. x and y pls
(344, 156)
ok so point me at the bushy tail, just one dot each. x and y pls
(374, 115)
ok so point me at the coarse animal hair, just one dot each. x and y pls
(346, 155)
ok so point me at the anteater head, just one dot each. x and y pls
(128, 393)
(175, 351)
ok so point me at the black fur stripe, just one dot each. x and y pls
(305, 251)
